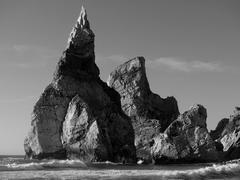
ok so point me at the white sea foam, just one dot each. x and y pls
(107, 163)
(47, 164)
(66, 169)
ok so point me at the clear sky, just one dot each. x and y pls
(192, 51)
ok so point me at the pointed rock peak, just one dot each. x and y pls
(82, 19)
(81, 32)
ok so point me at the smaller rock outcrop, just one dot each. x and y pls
(186, 139)
(229, 137)
(150, 113)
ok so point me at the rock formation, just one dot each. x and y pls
(229, 136)
(186, 139)
(78, 115)
(150, 113)
(217, 133)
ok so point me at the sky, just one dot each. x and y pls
(191, 47)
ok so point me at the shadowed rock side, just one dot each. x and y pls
(217, 133)
(150, 113)
(186, 139)
(78, 115)
(229, 136)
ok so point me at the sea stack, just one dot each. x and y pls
(150, 113)
(186, 140)
(78, 115)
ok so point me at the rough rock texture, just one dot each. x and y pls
(230, 136)
(186, 139)
(150, 113)
(78, 115)
(81, 134)
(217, 133)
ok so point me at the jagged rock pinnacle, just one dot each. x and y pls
(82, 19)
(78, 116)
(81, 32)
(78, 59)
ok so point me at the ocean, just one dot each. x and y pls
(16, 167)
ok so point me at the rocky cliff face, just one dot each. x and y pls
(78, 115)
(150, 113)
(229, 135)
(186, 139)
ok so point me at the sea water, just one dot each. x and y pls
(15, 167)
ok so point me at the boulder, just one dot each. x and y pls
(78, 115)
(150, 113)
(185, 140)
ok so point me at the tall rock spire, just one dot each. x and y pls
(78, 60)
(78, 115)
(82, 19)
(81, 33)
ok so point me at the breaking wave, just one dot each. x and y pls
(76, 169)
(214, 171)
(45, 164)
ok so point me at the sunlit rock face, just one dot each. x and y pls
(150, 114)
(78, 115)
(186, 139)
(228, 136)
